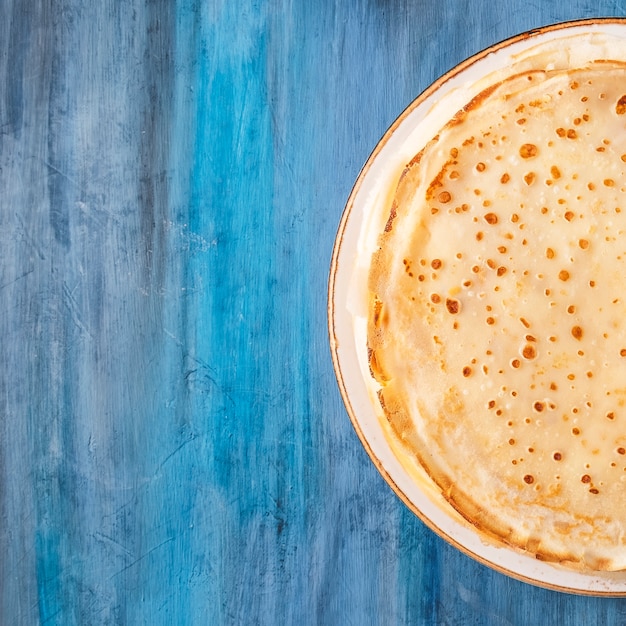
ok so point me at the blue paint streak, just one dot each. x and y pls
(231, 395)
(49, 580)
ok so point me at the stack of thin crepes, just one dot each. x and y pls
(497, 316)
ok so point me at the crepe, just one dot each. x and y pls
(497, 313)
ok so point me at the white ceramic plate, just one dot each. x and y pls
(362, 221)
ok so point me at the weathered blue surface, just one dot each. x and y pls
(173, 447)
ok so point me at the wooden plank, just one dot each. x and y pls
(173, 447)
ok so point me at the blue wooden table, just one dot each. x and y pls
(173, 445)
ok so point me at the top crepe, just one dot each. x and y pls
(497, 319)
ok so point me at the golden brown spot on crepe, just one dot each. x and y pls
(453, 306)
(585, 478)
(505, 178)
(528, 151)
(564, 275)
(529, 178)
(529, 479)
(444, 197)
(529, 352)
(378, 307)
(555, 172)
(549, 253)
(583, 244)
(577, 332)
(620, 107)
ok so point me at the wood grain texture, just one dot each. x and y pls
(173, 447)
